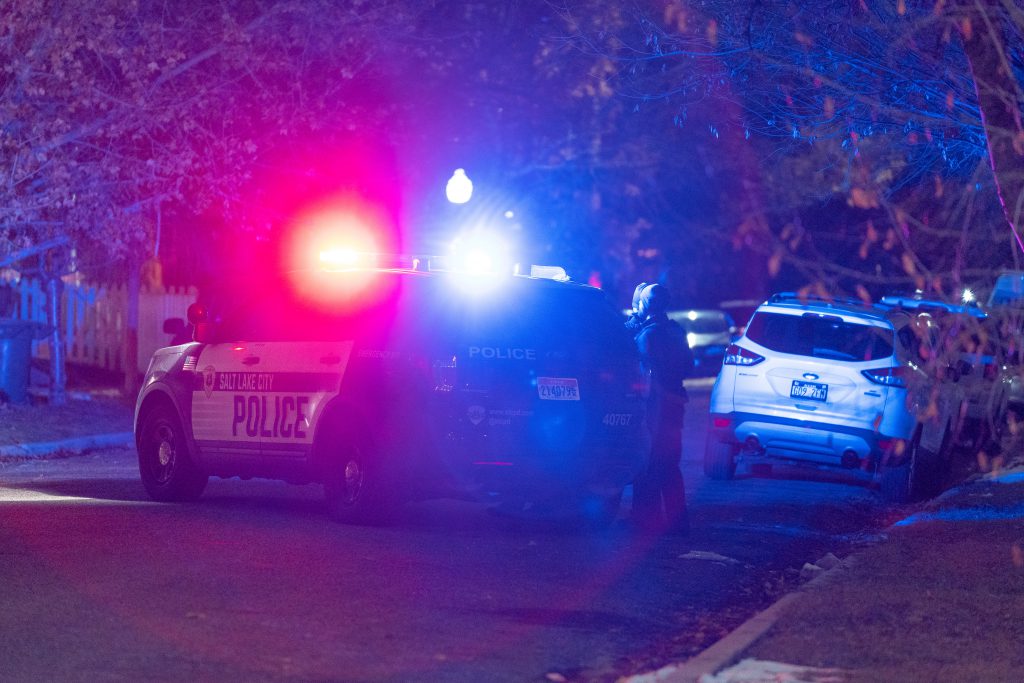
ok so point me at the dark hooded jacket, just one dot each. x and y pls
(666, 356)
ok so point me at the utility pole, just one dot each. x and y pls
(52, 265)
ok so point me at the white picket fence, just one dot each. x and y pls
(93, 319)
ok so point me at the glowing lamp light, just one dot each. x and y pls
(968, 295)
(459, 188)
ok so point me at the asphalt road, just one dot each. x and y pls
(254, 583)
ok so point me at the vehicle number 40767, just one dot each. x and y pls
(617, 419)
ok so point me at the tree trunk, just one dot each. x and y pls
(58, 374)
(1000, 101)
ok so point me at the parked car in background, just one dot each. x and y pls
(919, 302)
(837, 384)
(975, 345)
(708, 333)
(1008, 290)
(740, 311)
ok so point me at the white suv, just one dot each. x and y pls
(840, 384)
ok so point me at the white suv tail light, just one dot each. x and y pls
(890, 377)
(737, 355)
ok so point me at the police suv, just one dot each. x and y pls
(388, 384)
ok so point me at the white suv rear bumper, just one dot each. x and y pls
(800, 440)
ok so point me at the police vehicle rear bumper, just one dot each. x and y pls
(594, 469)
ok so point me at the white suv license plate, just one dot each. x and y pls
(811, 391)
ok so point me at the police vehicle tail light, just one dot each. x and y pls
(631, 378)
(641, 383)
(890, 377)
(737, 355)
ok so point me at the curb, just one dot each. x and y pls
(76, 445)
(729, 649)
(722, 653)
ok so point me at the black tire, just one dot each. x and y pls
(719, 459)
(356, 484)
(976, 437)
(940, 467)
(168, 471)
(910, 478)
(895, 483)
(600, 512)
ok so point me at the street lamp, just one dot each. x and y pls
(459, 188)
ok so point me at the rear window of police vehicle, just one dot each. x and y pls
(820, 336)
(560, 317)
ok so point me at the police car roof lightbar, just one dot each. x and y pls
(340, 259)
(549, 273)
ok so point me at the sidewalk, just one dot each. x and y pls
(94, 416)
(941, 599)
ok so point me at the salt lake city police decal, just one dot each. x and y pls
(270, 409)
(266, 404)
(209, 374)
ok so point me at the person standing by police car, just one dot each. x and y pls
(634, 322)
(659, 499)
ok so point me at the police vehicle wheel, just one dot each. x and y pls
(165, 464)
(353, 486)
(610, 509)
(599, 512)
(719, 459)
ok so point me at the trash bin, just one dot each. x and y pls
(16, 356)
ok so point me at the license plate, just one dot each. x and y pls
(558, 388)
(809, 390)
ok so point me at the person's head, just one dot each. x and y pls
(636, 296)
(654, 300)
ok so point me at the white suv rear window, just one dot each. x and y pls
(820, 336)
